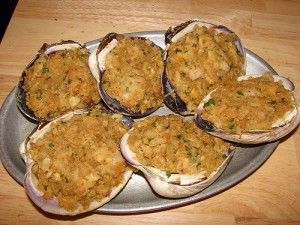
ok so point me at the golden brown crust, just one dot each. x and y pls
(133, 74)
(201, 60)
(59, 82)
(173, 144)
(253, 104)
(78, 161)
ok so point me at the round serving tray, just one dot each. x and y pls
(137, 196)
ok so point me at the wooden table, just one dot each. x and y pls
(271, 29)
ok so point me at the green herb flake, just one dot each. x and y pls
(188, 151)
(210, 102)
(273, 102)
(127, 89)
(231, 125)
(178, 136)
(224, 156)
(178, 50)
(39, 93)
(45, 70)
(168, 174)
(50, 145)
(149, 139)
(240, 93)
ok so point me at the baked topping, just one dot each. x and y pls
(175, 145)
(253, 104)
(133, 74)
(78, 161)
(200, 60)
(59, 82)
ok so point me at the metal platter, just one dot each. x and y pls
(137, 196)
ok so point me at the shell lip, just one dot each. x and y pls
(111, 102)
(175, 103)
(205, 124)
(111, 36)
(51, 205)
(173, 31)
(21, 93)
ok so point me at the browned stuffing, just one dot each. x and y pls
(79, 161)
(253, 104)
(176, 145)
(59, 82)
(133, 74)
(199, 61)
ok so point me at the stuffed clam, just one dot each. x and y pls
(73, 163)
(254, 109)
(58, 80)
(128, 70)
(199, 56)
(176, 157)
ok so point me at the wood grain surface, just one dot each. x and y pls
(271, 29)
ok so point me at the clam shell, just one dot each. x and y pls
(97, 67)
(280, 128)
(174, 185)
(171, 98)
(30, 181)
(21, 95)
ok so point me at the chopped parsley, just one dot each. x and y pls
(178, 50)
(168, 174)
(224, 156)
(50, 145)
(178, 136)
(45, 70)
(210, 102)
(188, 151)
(231, 125)
(273, 102)
(149, 139)
(240, 93)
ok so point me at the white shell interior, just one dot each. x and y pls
(101, 57)
(93, 65)
(60, 47)
(97, 62)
